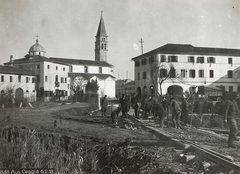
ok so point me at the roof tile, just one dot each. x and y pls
(82, 62)
(15, 70)
(88, 76)
(190, 50)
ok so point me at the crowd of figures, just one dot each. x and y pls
(180, 109)
(158, 107)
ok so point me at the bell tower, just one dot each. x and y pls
(101, 43)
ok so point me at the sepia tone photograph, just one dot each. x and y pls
(119, 87)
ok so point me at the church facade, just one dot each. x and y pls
(54, 75)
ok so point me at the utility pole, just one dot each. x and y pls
(141, 41)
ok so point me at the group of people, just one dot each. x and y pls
(229, 109)
(124, 106)
(158, 107)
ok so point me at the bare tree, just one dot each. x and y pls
(77, 85)
(7, 96)
(162, 72)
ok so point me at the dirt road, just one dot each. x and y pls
(75, 121)
(68, 119)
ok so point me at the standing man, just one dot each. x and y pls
(124, 105)
(161, 112)
(104, 103)
(176, 113)
(184, 113)
(230, 118)
(135, 105)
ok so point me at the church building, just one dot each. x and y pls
(81, 71)
(56, 75)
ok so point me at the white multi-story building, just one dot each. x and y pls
(186, 66)
(52, 76)
(16, 84)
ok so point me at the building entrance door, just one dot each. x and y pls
(18, 96)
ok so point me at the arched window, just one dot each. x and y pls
(19, 78)
(85, 69)
(2, 94)
(56, 78)
(100, 70)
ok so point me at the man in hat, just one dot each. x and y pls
(230, 118)
(104, 103)
(176, 113)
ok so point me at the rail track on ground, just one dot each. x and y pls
(204, 145)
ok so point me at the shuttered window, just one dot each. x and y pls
(192, 73)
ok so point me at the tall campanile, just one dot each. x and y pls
(101, 43)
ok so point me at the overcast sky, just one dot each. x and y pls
(67, 28)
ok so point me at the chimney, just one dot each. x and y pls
(11, 58)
